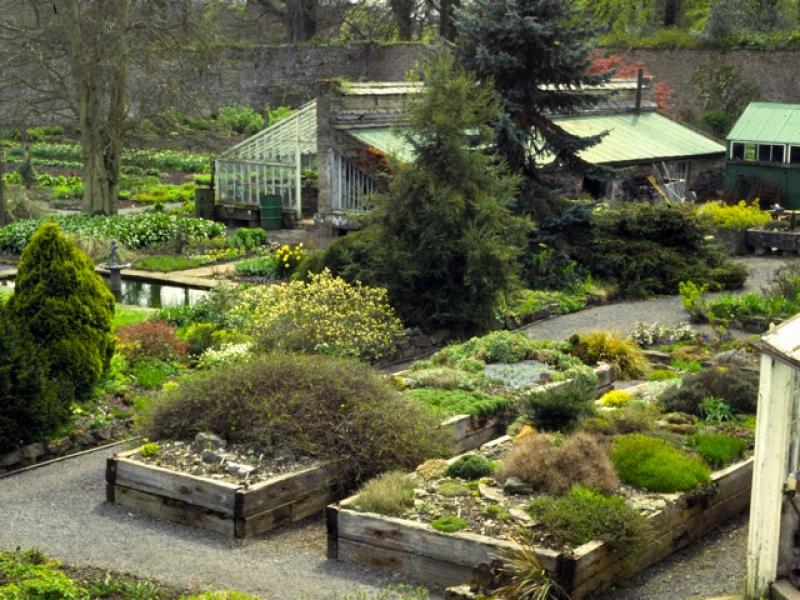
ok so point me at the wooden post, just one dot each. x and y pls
(769, 474)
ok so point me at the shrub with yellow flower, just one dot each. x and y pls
(325, 315)
(287, 258)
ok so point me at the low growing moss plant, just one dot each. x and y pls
(653, 464)
(716, 449)
(445, 403)
(449, 524)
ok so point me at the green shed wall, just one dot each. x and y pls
(784, 177)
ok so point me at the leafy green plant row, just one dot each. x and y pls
(172, 160)
(133, 231)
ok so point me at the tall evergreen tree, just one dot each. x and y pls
(536, 52)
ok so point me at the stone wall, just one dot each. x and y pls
(290, 74)
(773, 72)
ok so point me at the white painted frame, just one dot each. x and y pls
(777, 452)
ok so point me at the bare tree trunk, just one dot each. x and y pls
(402, 14)
(301, 20)
(3, 211)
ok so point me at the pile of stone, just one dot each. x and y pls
(208, 455)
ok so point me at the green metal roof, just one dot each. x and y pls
(768, 122)
(385, 139)
(636, 138)
(631, 138)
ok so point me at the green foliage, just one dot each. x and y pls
(130, 315)
(326, 315)
(641, 248)
(559, 408)
(724, 93)
(152, 373)
(528, 67)
(198, 337)
(241, 119)
(140, 230)
(29, 575)
(737, 387)
(470, 466)
(692, 299)
(29, 406)
(716, 449)
(653, 464)
(279, 113)
(249, 238)
(584, 515)
(389, 494)
(715, 410)
(736, 217)
(165, 263)
(686, 365)
(150, 449)
(662, 375)
(445, 403)
(258, 266)
(316, 405)
(449, 524)
(452, 489)
(442, 239)
(66, 308)
(624, 356)
(216, 307)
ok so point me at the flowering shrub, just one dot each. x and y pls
(737, 216)
(615, 399)
(150, 340)
(326, 315)
(287, 259)
(228, 354)
(650, 335)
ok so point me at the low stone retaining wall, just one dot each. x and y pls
(761, 241)
(448, 559)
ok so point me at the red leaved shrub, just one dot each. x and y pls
(151, 339)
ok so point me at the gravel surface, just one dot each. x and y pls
(713, 567)
(61, 510)
(623, 316)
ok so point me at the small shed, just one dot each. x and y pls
(763, 155)
(772, 546)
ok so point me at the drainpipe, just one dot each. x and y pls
(639, 85)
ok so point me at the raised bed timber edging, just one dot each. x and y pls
(472, 431)
(447, 559)
(227, 508)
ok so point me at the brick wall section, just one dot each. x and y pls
(773, 71)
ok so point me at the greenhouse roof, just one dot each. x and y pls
(768, 122)
(631, 138)
(783, 341)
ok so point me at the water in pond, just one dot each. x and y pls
(154, 295)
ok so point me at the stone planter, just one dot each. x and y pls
(448, 559)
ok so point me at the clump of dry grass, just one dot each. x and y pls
(388, 494)
(554, 468)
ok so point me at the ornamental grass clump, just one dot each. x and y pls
(391, 493)
(624, 356)
(320, 406)
(653, 464)
(554, 468)
(326, 315)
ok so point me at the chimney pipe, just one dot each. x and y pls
(639, 85)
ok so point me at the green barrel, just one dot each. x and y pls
(271, 211)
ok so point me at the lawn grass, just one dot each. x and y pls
(165, 263)
(125, 314)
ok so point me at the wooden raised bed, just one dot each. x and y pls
(220, 506)
(472, 432)
(443, 559)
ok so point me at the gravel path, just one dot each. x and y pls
(61, 509)
(713, 567)
(623, 316)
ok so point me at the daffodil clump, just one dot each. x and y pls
(287, 258)
(325, 315)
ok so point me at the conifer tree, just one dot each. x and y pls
(536, 53)
(67, 310)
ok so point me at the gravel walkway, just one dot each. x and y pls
(623, 316)
(61, 509)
